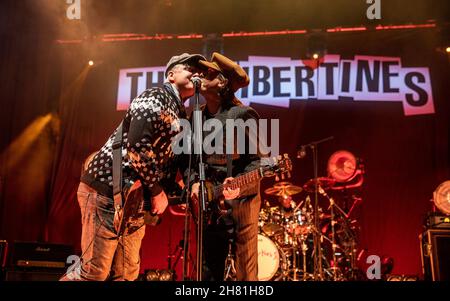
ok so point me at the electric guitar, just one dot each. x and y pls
(280, 167)
(132, 215)
(136, 209)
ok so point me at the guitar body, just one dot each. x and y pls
(132, 215)
(213, 205)
(215, 200)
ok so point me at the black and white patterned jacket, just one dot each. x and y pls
(147, 152)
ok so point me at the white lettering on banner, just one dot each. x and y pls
(134, 81)
(276, 81)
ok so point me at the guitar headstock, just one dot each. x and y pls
(280, 167)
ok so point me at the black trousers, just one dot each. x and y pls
(240, 227)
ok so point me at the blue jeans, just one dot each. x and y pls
(104, 255)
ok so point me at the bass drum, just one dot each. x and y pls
(271, 260)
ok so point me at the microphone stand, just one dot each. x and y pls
(187, 220)
(318, 269)
(198, 149)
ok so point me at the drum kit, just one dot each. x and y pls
(289, 235)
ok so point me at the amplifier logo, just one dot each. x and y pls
(40, 249)
(276, 81)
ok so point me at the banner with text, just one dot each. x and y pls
(276, 81)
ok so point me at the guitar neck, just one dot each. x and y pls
(239, 182)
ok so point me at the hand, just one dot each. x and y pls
(159, 203)
(194, 200)
(194, 190)
(228, 193)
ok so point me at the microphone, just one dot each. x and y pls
(197, 81)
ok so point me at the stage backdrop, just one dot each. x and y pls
(402, 140)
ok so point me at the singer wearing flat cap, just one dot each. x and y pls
(147, 156)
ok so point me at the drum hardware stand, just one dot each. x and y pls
(318, 269)
(296, 245)
(294, 251)
(304, 246)
(178, 254)
(303, 237)
(333, 238)
(304, 249)
(333, 232)
(230, 269)
(185, 254)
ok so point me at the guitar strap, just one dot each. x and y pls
(229, 165)
(117, 168)
(229, 157)
(227, 217)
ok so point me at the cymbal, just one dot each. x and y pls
(283, 189)
(325, 183)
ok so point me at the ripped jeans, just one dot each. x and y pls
(104, 255)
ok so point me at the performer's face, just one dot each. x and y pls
(180, 76)
(211, 84)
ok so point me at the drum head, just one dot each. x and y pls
(268, 258)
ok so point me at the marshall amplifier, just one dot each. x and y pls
(435, 249)
(36, 255)
(52, 275)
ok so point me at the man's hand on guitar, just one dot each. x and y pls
(159, 203)
(229, 193)
(194, 190)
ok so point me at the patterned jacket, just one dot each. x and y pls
(149, 124)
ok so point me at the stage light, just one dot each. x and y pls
(159, 275)
(394, 278)
(316, 45)
(23, 142)
(402, 278)
(441, 197)
(151, 275)
(165, 275)
(447, 49)
(91, 63)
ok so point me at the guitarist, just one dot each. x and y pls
(147, 156)
(223, 78)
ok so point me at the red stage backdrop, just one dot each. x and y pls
(404, 145)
